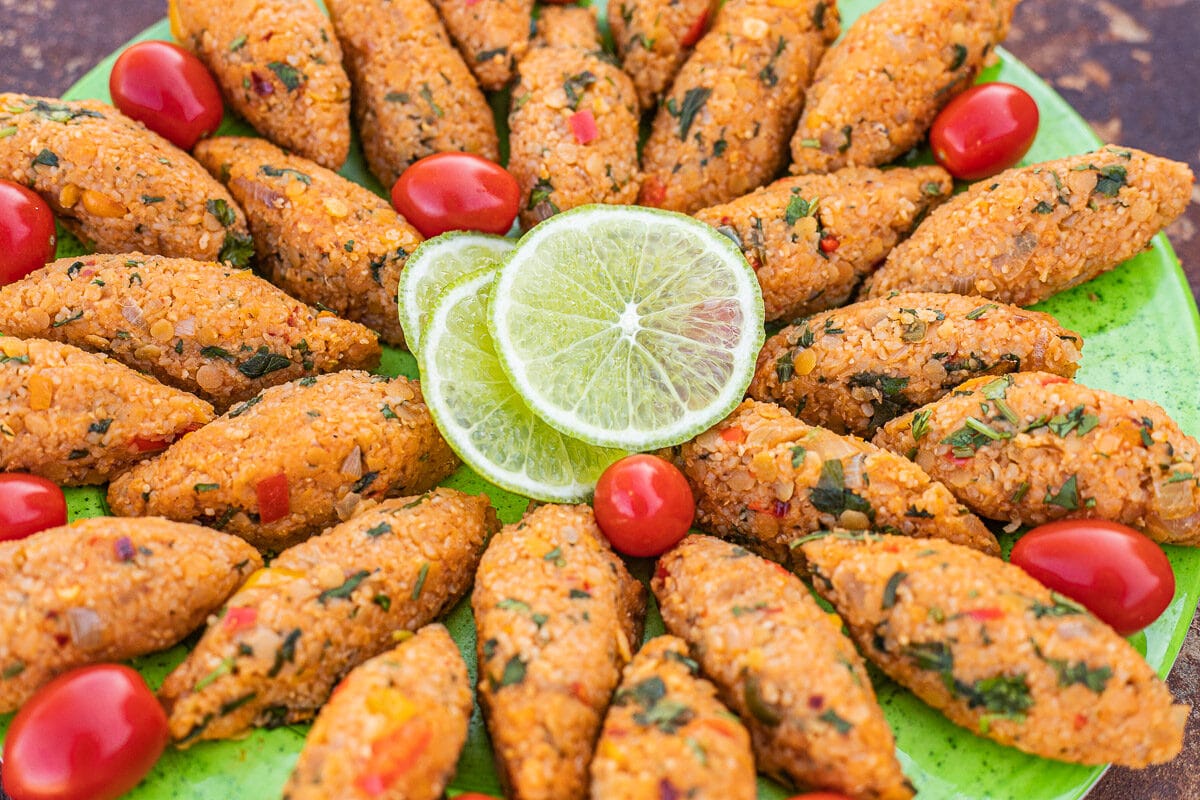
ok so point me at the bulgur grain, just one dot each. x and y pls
(997, 652)
(764, 479)
(1034, 447)
(321, 238)
(853, 369)
(1039, 230)
(878, 90)
(116, 185)
(573, 122)
(332, 441)
(557, 616)
(202, 327)
(80, 418)
(784, 665)
(413, 95)
(491, 34)
(286, 637)
(812, 239)
(724, 126)
(279, 65)
(666, 733)
(654, 38)
(415, 699)
(107, 589)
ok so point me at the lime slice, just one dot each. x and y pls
(627, 327)
(483, 418)
(434, 265)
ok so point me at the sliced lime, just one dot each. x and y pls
(434, 265)
(483, 418)
(627, 327)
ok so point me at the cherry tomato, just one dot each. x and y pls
(27, 236)
(90, 733)
(984, 130)
(1117, 573)
(28, 504)
(643, 505)
(457, 192)
(167, 89)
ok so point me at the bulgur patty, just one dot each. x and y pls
(574, 121)
(1034, 447)
(491, 34)
(667, 734)
(997, 652)
(80, 418)
(1041, 229)
(413, 95)
(392, 729)
(324, 606)
(116, 185)
(878, 90)
(784, 665)
(654, 38)
(812, 239)
(321, 238)
(725, 124)
(764, 479)
(853, 369)
(279, 65)
(107, 589)
(294, 460)
(557, 616)
(222, 334)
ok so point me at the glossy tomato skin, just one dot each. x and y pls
(456, 192)
(27, 236)
(643, 505)
(90, 733)
(984, 130)
(167, 89)
(28, 504)
(1117, 573)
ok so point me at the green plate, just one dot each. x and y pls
(1142, 339)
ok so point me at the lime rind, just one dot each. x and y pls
(627, 327)
(434, 265)
(483, 418)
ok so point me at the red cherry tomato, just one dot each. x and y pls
(27, 236)
(28, 504)
(457, 192)
(167, 89)
(643, 505)
(984, 130)
(1117, 573)
(90, 733)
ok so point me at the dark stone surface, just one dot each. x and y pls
(1130, 67)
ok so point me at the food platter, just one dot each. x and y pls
(1142, 339)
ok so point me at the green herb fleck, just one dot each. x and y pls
(237, 249)
(383, 601)
(237, 43)
(798, 456)
(279, 172)
(831, 495)
(45, 158)
(288, 75)
(693, 101)
(831, 717)
(223, 668)
(1110, 180)
(13, 670)
(216, 352)
(575, 86)
(798, 208)
(756, 705)
(960, 57)
(206, 487)
(1068, 674)
(378, 530)
(100, 426)
(263, 362)
(1043, 208)
(514, 672)
(427, 96)
(419, 586)
(920, 424)
(344, 591)
(1067, 497)
(889, 591)
(979, 313)
(397, 97)
(1061, 606)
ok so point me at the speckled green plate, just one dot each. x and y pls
(1142, 339)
